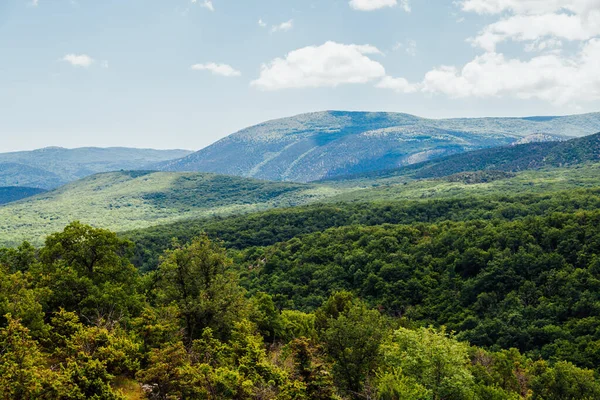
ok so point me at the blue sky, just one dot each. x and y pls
(183, 73)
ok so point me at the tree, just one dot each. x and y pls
(435, 360)
(89, 272)
(23, 371)
(195, 278)
(563, 381)
(353, 341)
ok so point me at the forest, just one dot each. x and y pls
(473, 298)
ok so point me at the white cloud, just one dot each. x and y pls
(399, 85)
(35, 3)
(524, 28)
(208, 4)
(79, 60)
(405, 4)
(283, 27)
(529, 7)
(410, 47)
(534, 20)
(262, 23)
(549, 77)
(217, 69)
(370, 5)
(329, 65)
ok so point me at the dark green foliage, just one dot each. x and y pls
(79, 320)
(90, 273)
(270, 227)
(532, 284)
(209, 190)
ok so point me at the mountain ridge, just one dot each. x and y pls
(513, 158)
(51, 167)
(314, 146)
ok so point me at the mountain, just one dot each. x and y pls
(51, 167)
(513, 158)
(134, 199)
(13, 193)
(327, 144)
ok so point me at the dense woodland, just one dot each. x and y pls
(475, 298)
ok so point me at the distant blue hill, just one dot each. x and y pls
(327, 144)
(51, 167)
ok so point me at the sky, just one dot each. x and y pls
(185, 73)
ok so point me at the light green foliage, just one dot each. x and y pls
(563, 381)
(23, 374)
(20, 298)
(394, 385)
(297, 324)
(123, 201)
(353, 340)
(438, 362)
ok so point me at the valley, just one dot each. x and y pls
(485, 253)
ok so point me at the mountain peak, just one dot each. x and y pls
(324, 144)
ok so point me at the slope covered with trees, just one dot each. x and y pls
(279, 225)
(80, 322)
(135, 199)
(520, 157)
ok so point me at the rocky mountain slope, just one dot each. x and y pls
(320, 145)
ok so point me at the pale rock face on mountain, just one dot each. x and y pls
(321, 145)
(326, 144)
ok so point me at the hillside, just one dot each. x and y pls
(128, 200)
(513, 158)
(51, 167)
(319, 145)
(13, 193)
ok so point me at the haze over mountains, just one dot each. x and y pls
(52, 167)
(314, 146)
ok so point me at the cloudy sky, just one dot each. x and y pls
(184, 73)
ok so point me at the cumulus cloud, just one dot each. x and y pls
(549, 77)
(552, 74)
(329, 65)
(529, 6)
(262, 23)
(534, 20)
(217, 69)
(399, 85)
(525, 28)
(79, 60)
(283, 27)
(208, 4)
(371, 5)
